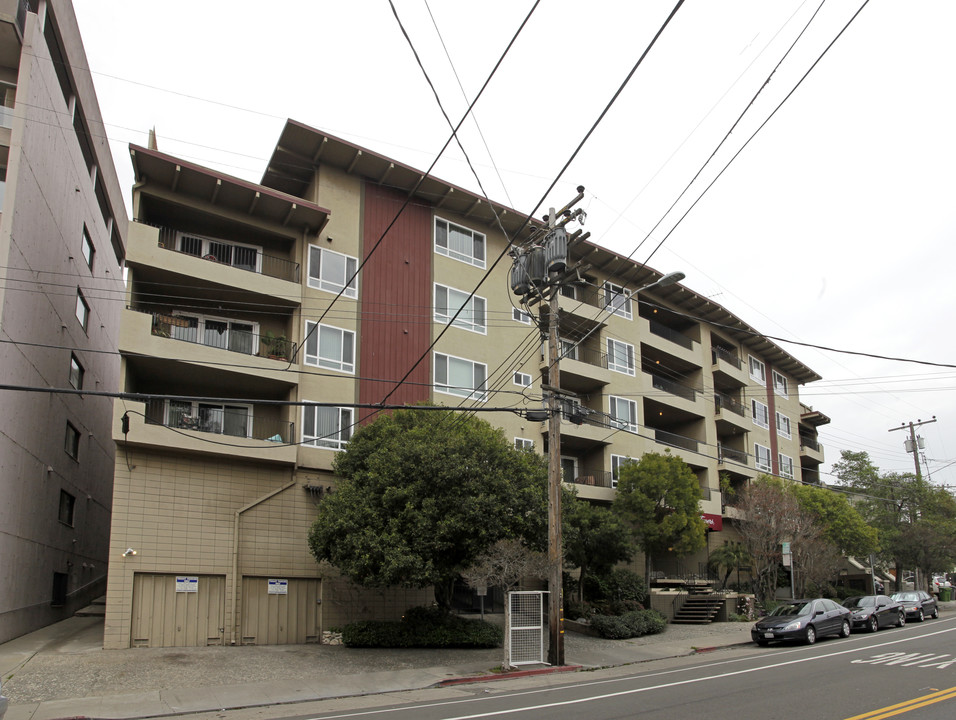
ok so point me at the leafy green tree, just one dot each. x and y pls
(730, 556)
(422, 494)
(658, 496)
(595, 539)
(843, 526)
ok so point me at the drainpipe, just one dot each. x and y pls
(235, 555)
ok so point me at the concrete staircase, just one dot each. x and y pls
(699, 609)
(96, 609)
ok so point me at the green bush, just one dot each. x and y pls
(423, 628)
(616, 592)
(633, 624)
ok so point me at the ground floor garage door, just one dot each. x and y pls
(177, 610)
(280, 611)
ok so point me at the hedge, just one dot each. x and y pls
(423, 628)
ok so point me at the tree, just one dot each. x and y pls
(730, 556)
(763, 525)
(595, 539)
(504, 564)
(843, 526)
(659, 496)
(422, 494)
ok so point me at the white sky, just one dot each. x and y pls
(834, 227)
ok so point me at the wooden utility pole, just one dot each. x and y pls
(914, 444)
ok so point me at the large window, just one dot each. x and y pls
(786, 465)
(330, 347)
(459, 243)
(569, 469)
(216, 332)
(82, 309)
(215, 418)
(783, 426)
(780, 384)
(333, 272)
(761, 413)
(449, 301)
(616, 462)
(460, 377)
(617, 300)
(72, 441)
(762, 458)
(76, 373)
(757, 370)
(623, 413)
(326, 427)
(524, 444)
(620, 356)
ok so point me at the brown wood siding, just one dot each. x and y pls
(396, 299)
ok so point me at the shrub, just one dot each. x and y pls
(629, 625)
(423, 628)
(616, 592)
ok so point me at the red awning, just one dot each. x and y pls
(714, 522)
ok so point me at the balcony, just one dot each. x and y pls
(582, 369)
(674, 336)
(250, 432)
(593, 486)
(231, 335)
(727, 367)
(810, 449)
(673, 388)
(726, 454)
(730, 414)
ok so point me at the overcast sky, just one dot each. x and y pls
(833, 227)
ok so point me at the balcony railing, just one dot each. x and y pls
(239, 422)
(222, 334)
(601, 478)
(725, 453)
(669, 386)
(725, 402)
(671, 334)
(809, 443)
(226, 252)
(728, 356)
(583, 354)
(674, 440)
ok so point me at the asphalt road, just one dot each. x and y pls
(907, 672)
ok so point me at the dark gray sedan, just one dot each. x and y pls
(917, 604)
(872, 612)
(804, 620)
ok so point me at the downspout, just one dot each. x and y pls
(235, 555)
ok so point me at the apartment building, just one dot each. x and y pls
(242, 306)
(62, 243)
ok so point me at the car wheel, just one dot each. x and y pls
(874, 624)
(811, 635)
(845, 629)
(919, 615)
(901, 620)
(935, 613)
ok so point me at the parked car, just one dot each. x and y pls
(917, 604)
(804, 620)
(940, 581)
(871, 612)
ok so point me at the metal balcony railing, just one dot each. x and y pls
(674, 440)
(583, 354)
(669, 386)
(725, 453)
(670, 334)
(241, 422)
(601, 478)
(809, 443)
(221, 334)
(725, 402)
(728, 356)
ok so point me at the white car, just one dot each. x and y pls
(940, 581)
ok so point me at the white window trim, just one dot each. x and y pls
(316, 359)
(615, 422)
(326, 442)
(756, 415)
(524, 443)
(520, 316)
(612, 291)
(765, 468)
(454, 255)
(476, 324)
(783, 428)
(781, 385)
(524, 377)
(574, 471)
(469, 393)
(625, 369)
(349, 291)
(616, 462)
(786, 465)
(762, 375)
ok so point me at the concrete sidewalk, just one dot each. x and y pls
(62, 671)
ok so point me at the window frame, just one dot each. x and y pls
(66, 511)
(755, 362)
(479, 393)
(754, 403)
(574, 468)
(524, 443)
(613, 291)
(786, 468)
(768, 468)
(448, 252)
(630, 367)
(325, 442)
(781, 386)
(515, 378)
(206, 250)
(780, 431)
(82, 303)
(616, 462)
(195, 409)
(475, 326)
(87, 250)
(71, 441)
(519, 315)
(76, 370)
(613, 400)
(317, 282)
(316, 359)
(177, 332)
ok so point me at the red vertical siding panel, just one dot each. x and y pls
(396, 299)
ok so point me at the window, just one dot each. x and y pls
(779, 384)
(76, 373)
(569, 291)
(762, 458)
(616, 300)
(620, 356)
(783, 426)
(522, 379)
(569, 469)
(569, 349)
(72, 443)
(449, 301)
(616, 462)
(459, 243)
(520, 316)
(623, 413)
(67, 506)
(757, 370)
(87, 248)
(333, 272)
(786, 466)
(761, 414)
(524, 444)
(82, 309)
(330, 347)
(457, 376)
(216, 418)
(326, 427)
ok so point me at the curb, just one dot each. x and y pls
(509, 675)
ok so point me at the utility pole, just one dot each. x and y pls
(914, 444)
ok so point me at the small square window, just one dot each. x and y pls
(522, 379)
(87, 248)
(72, 443)
(82, 309)
(67, 506)
(76, 373)
(524, 444)
(520, 316)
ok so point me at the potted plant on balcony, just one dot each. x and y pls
(277, 346)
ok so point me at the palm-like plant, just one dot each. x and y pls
(729, 556)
